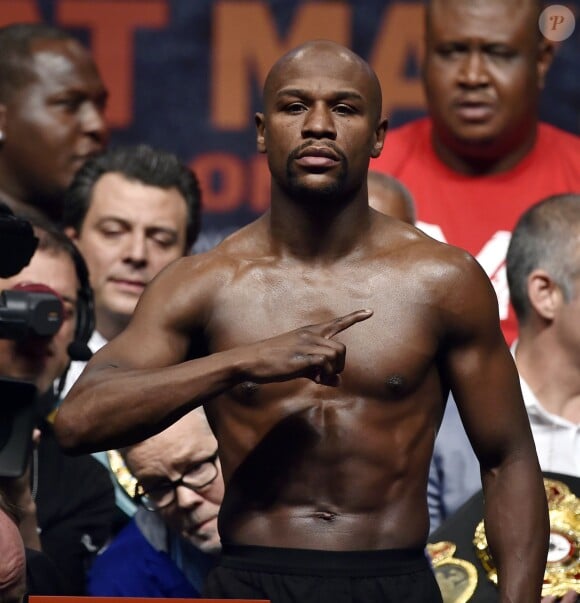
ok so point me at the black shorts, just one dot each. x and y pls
(310, 576)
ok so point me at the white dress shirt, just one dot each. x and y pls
(557, 439)
(96, 342)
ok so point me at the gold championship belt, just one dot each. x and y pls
(124, 477)
(563, 564)
(457, 578)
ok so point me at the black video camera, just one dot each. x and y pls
(22, 314)
(29, 313)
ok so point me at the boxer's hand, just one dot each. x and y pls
(308, 351)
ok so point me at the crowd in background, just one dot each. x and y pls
(479, 172)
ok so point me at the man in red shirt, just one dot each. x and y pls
(482, 157)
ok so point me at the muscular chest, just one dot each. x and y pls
(386, 355)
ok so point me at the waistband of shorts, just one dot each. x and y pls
(310, 562)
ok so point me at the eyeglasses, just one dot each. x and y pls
(164, 494)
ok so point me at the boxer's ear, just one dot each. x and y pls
(260, 132)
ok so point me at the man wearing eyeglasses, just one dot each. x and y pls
(171, 543)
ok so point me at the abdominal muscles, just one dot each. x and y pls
(335, 475)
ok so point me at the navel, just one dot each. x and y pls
(325, 515)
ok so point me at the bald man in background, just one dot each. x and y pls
(482, 156)
(390, 196)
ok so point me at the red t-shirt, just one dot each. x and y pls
(478, 213)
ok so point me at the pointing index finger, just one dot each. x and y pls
(337, 325)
